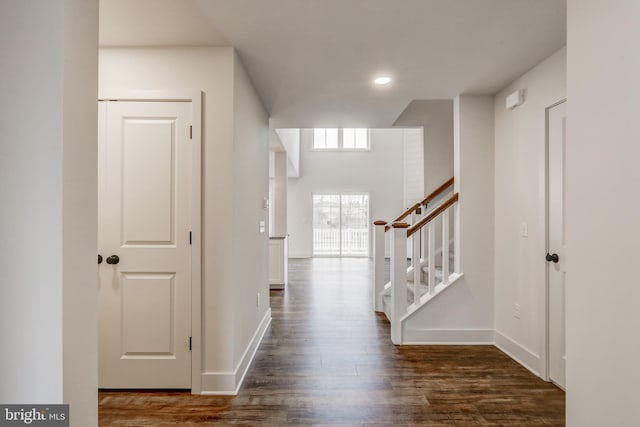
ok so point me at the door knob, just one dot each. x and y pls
(99, 259)
(550, 258)
(113, 259)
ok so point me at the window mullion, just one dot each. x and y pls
(340, 225)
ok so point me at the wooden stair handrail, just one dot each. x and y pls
(437, 191)
(426, 200)
(424, 221)
(406, 213)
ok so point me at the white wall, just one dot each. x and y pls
(413, 166)
(436, 117)
(48, 296)
(603, 213)
(377, 172)
(278, 197)
(290, 139)
(235, 163)
(250, 247)
(520, 170)
(464, 311)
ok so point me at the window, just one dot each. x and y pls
(341, 225)
(325, 139)
(355, 139)
(341, 139)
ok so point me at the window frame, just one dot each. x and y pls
(340, 194)
(340, 141)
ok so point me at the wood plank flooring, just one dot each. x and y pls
(328, 360)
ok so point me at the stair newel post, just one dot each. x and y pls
(378, 263)
(445, 247)
(398, 279)
(432, 257)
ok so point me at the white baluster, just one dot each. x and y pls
(398, 279)
(456, 238)
(413, 259)
(445, 247)
(423, 236)
(378, 264)
(432, 257)
(417, 270)
(424, 239)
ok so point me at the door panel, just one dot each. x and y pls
(152, 331)
(326, 225)
(556, 242)
(341, 225)
(144, 203)
(354, 222)
(148, 181)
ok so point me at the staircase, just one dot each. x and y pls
(420, 290)
(433, 265)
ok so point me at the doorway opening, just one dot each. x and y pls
(341, 225)
(555, 243)
(149, 219)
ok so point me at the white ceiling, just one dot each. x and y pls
(313, 61)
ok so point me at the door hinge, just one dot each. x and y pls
(190, 131)
(190, 343)
(190, 238)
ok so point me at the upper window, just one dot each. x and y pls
(340, 139)
(355, 139)
(325, 139)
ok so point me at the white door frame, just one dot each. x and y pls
(195, 98)
(544, 359)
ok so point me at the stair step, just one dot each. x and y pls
(422, 293)
(423, 288)
(425, 271)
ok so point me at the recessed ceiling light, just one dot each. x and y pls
(382, 80)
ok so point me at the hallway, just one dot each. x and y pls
(328, 359)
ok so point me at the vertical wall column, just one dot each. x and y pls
(602, 211)
(48, 180)
(474, 215)
(279, 202)
(278, 244)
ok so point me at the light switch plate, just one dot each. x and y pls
(524, 229)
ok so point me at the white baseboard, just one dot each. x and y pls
(228, 383)
(519, 353)
(448, 337)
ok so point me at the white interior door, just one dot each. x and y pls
(144, 219)
(556, 242)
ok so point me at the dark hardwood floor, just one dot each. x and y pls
(328, 360)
